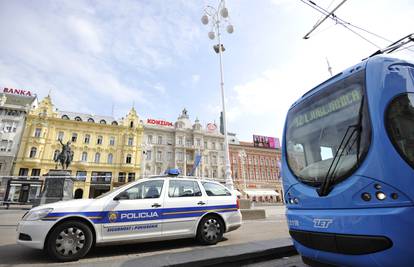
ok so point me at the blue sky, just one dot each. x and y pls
(156, 54)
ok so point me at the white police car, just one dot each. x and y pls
(156, 208)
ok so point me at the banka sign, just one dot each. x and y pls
(17, 92)
(159, 122)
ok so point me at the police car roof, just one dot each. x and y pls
(183, 177)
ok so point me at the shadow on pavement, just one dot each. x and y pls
(16, 254)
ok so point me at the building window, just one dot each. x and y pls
(149, 155)
(112, 141)
(169, 155)
(32, 152)
(198, 142)
(180, 156)
(131, 176)
(131, 124)
(87, 138)
(60, 136)
(35, 172)
(81, 175)
(110, 158)
(149, 139)
(37, 133)
(189, 143)
(97, 157)
(99, 140)
(159, 155)
(84, 157)
(74, 137)
(213, 145)
(128, 159)
(159, 140)
(121, 177)
(55, 155)
(23, 172)
(130, 141)
(180, 140)
(205, 145)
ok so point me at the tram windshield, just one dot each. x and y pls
(317, 126)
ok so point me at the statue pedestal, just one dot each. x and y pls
(58, 186)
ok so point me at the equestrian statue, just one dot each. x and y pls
(65, 157)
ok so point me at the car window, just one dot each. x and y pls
(148, 189)
(213, 189)
(179, 188)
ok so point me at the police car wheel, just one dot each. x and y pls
(69, 241)
(210, 230)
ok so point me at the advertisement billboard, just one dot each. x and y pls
(266, 141)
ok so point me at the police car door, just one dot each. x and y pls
(184, 204)
(135, 212)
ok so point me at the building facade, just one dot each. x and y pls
(193, 149)
(107, 152)
(256, 171)
(14, 106)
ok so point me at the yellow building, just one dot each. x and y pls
(107, 152)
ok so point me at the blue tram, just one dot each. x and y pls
(348, 166)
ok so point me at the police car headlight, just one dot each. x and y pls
(36, 214)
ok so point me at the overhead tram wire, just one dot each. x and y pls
(340, 21)
(343, 22)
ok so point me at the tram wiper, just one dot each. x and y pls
(326, 186)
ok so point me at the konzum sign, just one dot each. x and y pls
(17, 92)
(159, 122)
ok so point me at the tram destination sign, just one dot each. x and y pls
(336, 104)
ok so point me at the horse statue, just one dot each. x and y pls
(66, 156)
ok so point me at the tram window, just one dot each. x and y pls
(316, 128)
(400, 126)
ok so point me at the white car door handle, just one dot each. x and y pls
(156, 205)
(201, 203)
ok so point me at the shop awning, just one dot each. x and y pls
(261, 192)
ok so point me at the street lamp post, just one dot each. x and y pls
(219, 16)
(242, 155)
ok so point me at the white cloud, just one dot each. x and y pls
(87, 34)
(195, 78)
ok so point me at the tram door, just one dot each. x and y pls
(24, 193)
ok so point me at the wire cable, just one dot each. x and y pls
(339, 21)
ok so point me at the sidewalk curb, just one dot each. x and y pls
(267, 254)
(231, 255)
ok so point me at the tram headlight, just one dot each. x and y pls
(366, 196)
(380, 195)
